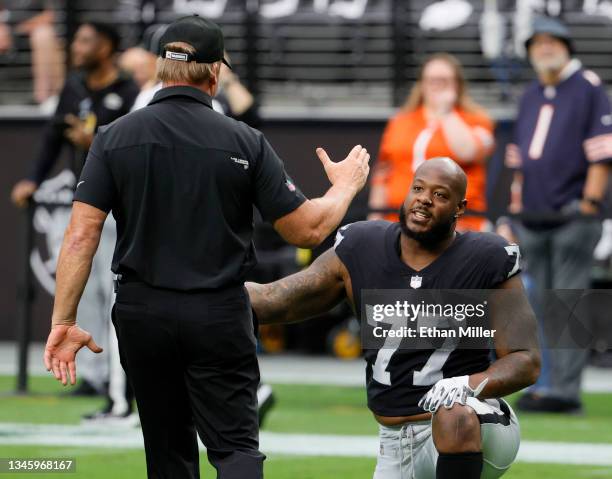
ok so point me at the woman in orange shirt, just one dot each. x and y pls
(438, 119)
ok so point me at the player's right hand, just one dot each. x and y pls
(448, 391)
(350, 173)
(22, 192)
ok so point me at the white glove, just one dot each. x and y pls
(449, 391)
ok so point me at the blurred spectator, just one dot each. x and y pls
(47, 52)
(95, 94)
(233, 99)
(562, 150)
(141, 62)
(438, 119)
(141, 65)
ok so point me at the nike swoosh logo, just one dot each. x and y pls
(80, 183)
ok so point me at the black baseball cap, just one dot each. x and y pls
(552, 27)
(203, 35)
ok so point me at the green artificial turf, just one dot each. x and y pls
(97, 463)
(307, 409)
(47, 402)
(299, 409)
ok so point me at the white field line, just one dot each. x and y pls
(290, 444)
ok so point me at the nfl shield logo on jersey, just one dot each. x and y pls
(415, 281)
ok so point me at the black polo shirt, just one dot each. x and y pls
(181, 181)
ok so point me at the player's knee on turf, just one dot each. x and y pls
(456, 430)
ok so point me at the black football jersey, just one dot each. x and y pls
(370, 252)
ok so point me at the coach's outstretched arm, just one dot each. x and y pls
(516, 343)
(312, 291)
(316, 219)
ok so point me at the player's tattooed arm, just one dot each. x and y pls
(302, 295)
(516, 343)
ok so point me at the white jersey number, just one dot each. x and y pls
(432, 369)
(513, 250)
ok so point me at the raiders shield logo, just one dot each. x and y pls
(50, 221)
(415, 281)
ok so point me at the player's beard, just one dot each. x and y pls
(429, 239)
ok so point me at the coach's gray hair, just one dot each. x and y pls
(184, 72)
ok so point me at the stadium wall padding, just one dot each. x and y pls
(294, 140)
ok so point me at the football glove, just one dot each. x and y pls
(447, 392)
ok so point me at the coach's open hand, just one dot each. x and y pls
(62, 346)
(352, 172)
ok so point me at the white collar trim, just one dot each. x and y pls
(572, 67)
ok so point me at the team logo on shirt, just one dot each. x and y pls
(112, 101)
(416, 281)
(290, 185)
(84, 108)
(240, 161)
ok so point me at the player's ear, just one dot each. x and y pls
(460, 211)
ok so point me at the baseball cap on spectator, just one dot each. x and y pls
(552, 27)
(152, 36)
(203, 35)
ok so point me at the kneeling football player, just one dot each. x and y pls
(441, 412)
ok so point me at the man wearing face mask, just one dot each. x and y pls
(561, 153)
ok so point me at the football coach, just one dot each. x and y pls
(181, 181)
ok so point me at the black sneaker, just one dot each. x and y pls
(101, 418)
(106, 416)
(602, 359)
(265, 401)
(530, 402)
(107, 409)
(84, 388)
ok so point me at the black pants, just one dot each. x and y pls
(191, 360)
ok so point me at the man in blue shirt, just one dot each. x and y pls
(561, 152)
